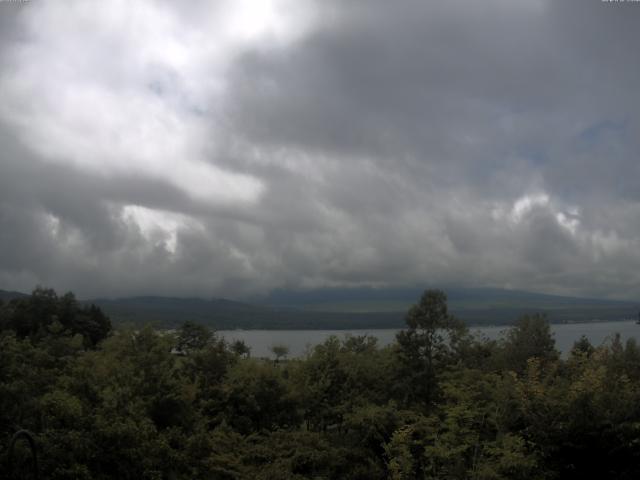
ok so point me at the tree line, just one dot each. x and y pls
(439, 403)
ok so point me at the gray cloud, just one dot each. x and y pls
(218, 151)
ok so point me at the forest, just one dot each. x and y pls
(439, 403)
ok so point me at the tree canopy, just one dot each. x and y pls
(437, 404)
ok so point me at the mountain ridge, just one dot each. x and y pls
(362, 308)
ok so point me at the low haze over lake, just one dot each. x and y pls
(299, 341)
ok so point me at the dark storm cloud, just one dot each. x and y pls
(205, 152)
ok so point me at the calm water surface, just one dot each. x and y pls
(299, 341)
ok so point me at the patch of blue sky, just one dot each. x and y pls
(601, 130)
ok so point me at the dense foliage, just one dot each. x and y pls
(437, 404)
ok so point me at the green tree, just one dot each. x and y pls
(240, 348)
(582, 346)
(257, 397)
(428, 344)
(280, 351)
(530, 337)
(193, 336)
(44, 313)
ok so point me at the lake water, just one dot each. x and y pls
(299, 341)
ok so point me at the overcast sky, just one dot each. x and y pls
(228, 148)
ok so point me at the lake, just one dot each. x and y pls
(299, 341)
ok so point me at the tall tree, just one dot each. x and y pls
(530, 337)
(193, 336)
(427, 344)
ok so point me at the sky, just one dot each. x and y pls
(228, 148)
